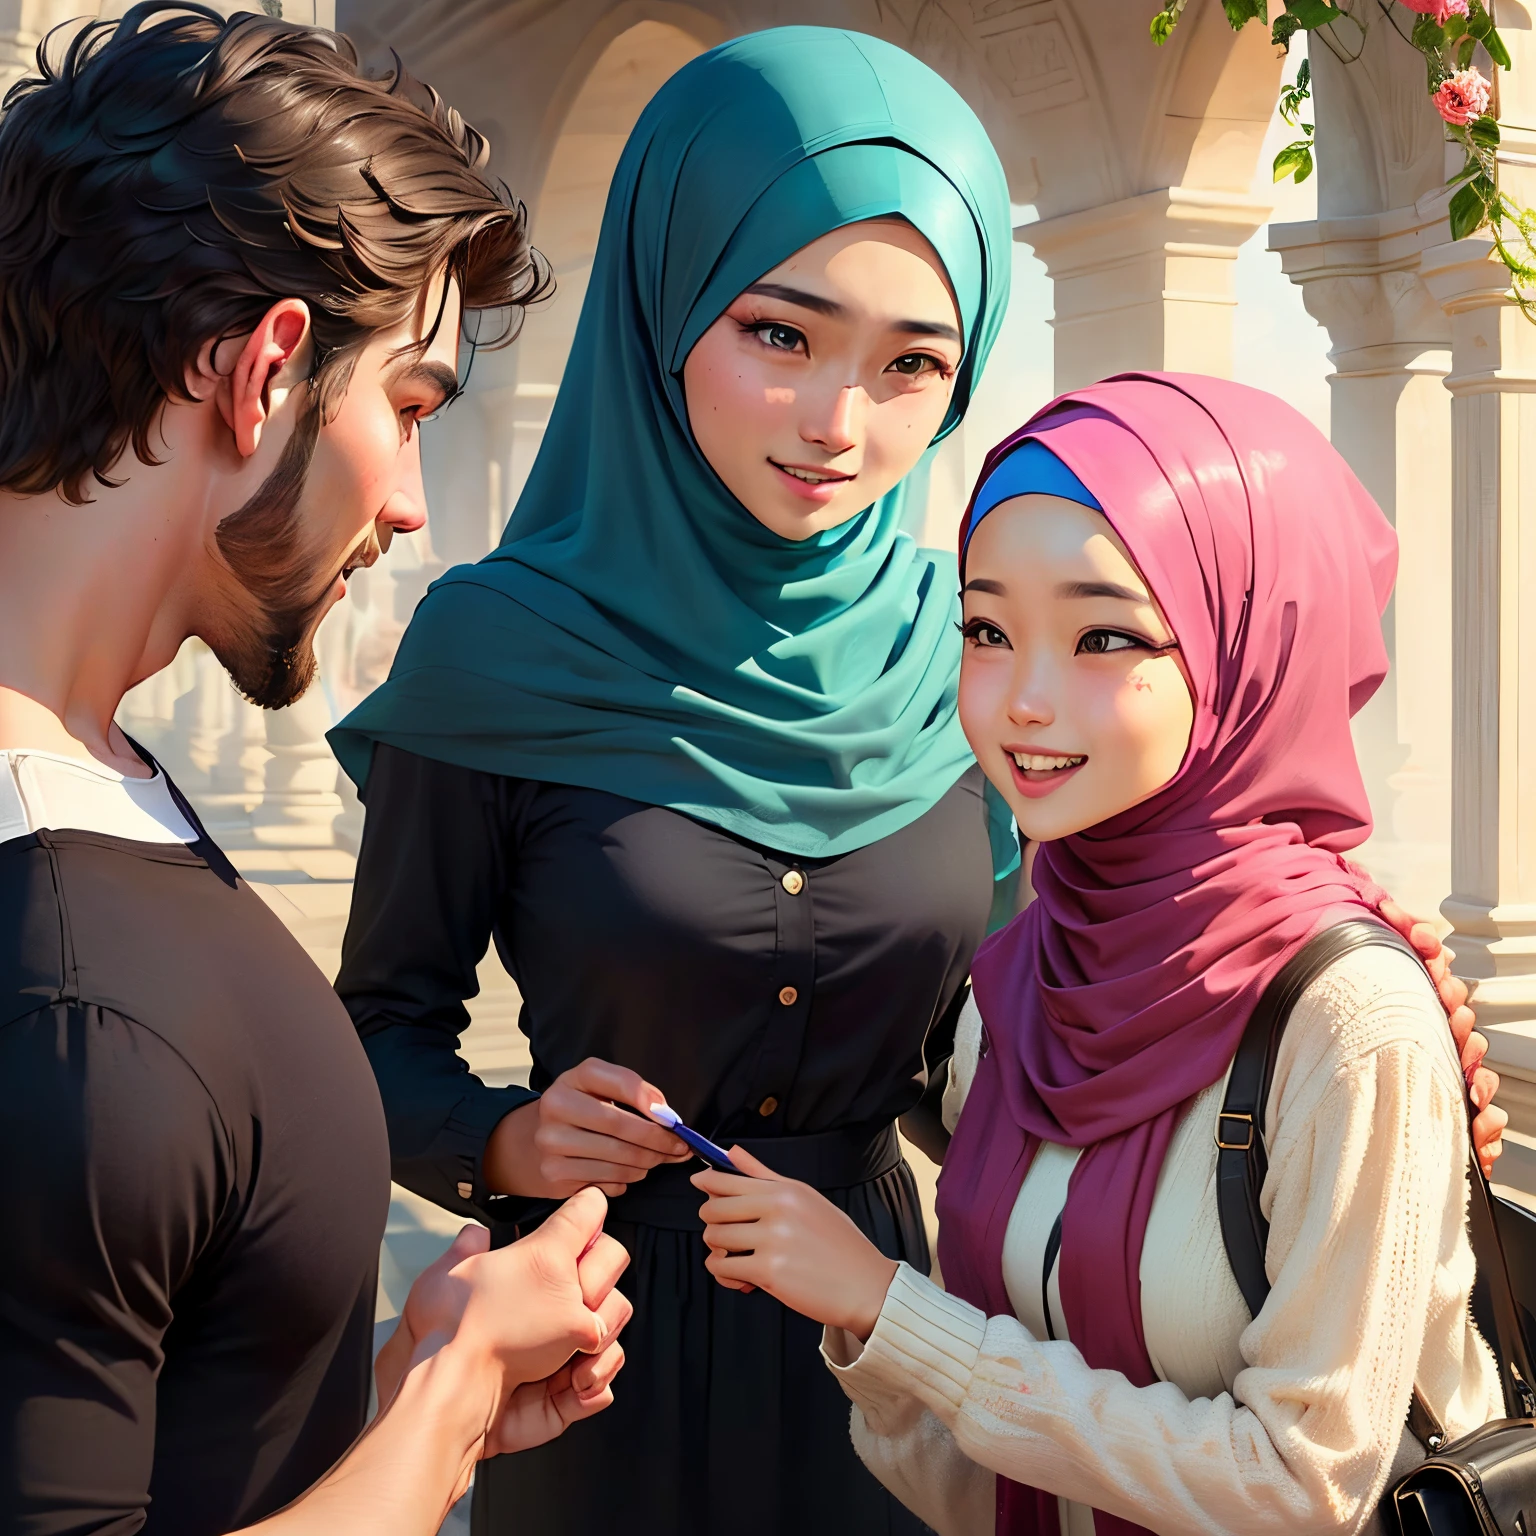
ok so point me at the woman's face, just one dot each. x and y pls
(1072, 693)
(822, 384)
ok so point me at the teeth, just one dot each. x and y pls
(808, 475)
(1031, 760)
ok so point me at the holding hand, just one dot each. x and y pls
(790, 1240)
(516, 1317)
(575, 1135)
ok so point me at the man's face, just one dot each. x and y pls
(339, 493)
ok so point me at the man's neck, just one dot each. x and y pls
(91, 602)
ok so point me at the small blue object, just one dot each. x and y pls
(715, 1156)
(1030, 470)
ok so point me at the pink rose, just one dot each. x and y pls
(1441, 10)
(1463, 97)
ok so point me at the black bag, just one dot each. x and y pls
(1483, 1484)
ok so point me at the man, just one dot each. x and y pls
(231, 278)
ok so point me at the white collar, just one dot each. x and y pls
(48, 791)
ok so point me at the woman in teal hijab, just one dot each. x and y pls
(701, 781)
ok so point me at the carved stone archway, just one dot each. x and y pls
(1138, 161)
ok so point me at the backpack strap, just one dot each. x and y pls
(1241, 1159)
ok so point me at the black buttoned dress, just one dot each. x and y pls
(780, 1002)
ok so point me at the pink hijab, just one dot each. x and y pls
(1123, 990)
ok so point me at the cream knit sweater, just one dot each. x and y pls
(1293, 1422)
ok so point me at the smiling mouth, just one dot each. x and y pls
(1039, 762)
(1039, 773)
(811, 476)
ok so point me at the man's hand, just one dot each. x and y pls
(521, 1313)
(538, 1411)
(789, 1239)
(480, 1363)
(575, 1135)
(1482, 1082)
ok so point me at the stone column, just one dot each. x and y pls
(1392, 421)
(1492, 905)
(1146, 282)
(240, 769)
(18, 42)
(299, 804)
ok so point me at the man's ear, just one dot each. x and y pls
(242, 386)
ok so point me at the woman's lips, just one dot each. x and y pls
(1035, 783)
(820, 494)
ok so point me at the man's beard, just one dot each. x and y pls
(270, 655)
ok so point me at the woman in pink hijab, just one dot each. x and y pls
(1173, 591)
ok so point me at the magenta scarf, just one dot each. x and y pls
(1123, 989)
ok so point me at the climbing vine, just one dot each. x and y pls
(1447, 33)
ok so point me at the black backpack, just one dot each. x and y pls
(1485, 1483)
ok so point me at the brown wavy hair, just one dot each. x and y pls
(172, 176)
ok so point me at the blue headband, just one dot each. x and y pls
(1030, 470)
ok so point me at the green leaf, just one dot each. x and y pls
(1294, 160)
(1285, 28)
(1496, 49)
(1455, 26)
(1241, 12)
(1304, 77)
(1428, 35)
(1484, 131)
(1312, 14)
(1468, 210)
(1166, 20)
(1464, 51)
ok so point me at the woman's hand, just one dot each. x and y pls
(575, 1135)
(1482, 1082)
(794, 1243)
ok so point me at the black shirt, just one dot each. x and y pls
(765, 995)
(775, 1000)
(193, 1186)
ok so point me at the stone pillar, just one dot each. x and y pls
(1492, 906)
(1146, 282)
(299, 804)
(18, 43)
(1392, 421)
(240, 769)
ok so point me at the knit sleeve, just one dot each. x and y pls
(911, 1450)
(1371, 1277)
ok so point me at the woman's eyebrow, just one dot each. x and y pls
(800, 296)
(816, 303)
(1069, 589)
(928, 328)
(981, 584)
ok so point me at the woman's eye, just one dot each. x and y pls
(782, 338)
(979, 632)
(1100, 642)
(913, 363)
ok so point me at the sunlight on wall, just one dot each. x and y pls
(1276, 344)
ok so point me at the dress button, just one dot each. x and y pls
(768, 1106)
(793, 882)
(788, 996)
(465, 1190)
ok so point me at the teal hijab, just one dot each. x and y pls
(637, 630)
